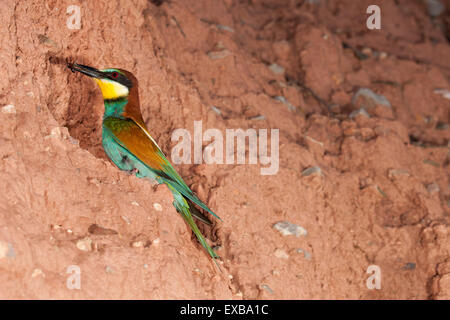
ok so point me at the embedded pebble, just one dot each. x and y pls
(74, 141)
(260, 117)
(277, 69)
(109, 269)
(306, 254)
(197, 270)
(443, 92)
(124, 218)
(285, 102)
(410, 266)
(279, 253)
(359, 112)
(435, 7)
(383, 55)
(367, 51)
(216, 110)
(267, 288)
(289, 229)
(225, 28)
(37, 272)
(4, 248)
(137, 244)
(56, 132)
(157, 206)
(308, 138)
(9, 109)
(216, 55)
(84, 244)
(433, 188)
(397, 172)
(312, 170)
(371, 99)
(11, 253)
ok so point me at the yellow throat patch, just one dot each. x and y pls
(111, 89)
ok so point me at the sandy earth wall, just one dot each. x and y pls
(363, 179)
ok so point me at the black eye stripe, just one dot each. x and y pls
(120, 78)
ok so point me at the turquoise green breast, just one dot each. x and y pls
(115, 108)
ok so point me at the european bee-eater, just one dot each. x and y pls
(128, 143)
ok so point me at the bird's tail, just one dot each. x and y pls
(184, 209)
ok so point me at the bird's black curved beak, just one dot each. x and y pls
(89, 71)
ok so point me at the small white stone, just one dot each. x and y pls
(84, 244)
(267, 288)
(137, 244)
(443, 92)
(435, 7)
(433, 188)
(216, 55)
(277, 69)
(286, 228)
(383, 55)
(126, 219)
(56, 132)
(279, 253)
(134, 203)
(359, 112)
(156, 241)
(157, 206)
(37, 272)
(225, 28)
(9, 109)
(216, 110)
(109, 269)
(312, 170)
(3, 249)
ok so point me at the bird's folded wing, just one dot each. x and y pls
(138, 141)
(130, 136)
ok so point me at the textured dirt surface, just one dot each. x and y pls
(381, 196)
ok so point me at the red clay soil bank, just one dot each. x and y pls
(364, 128)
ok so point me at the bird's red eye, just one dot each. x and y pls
(115, 74)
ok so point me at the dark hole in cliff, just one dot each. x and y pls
(82, 113)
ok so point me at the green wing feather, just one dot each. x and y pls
(134, 139)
